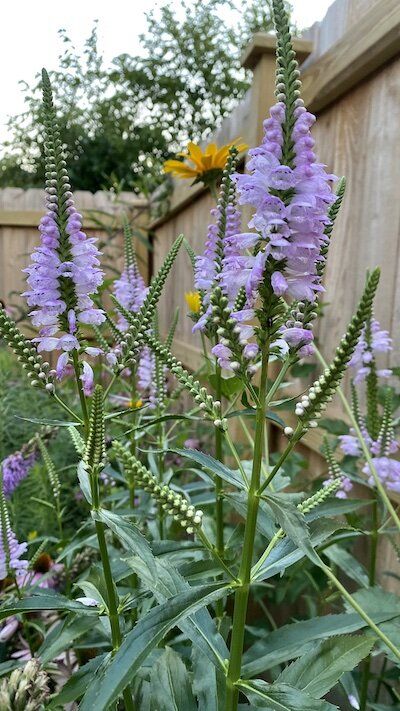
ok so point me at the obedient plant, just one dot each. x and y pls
(188, 529)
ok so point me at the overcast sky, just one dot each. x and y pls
(30, 41)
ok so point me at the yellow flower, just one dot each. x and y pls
(211, 160)
(32, 535)
(134, 404)
(193, 301)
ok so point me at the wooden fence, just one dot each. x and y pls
(21, 210)
(350, 68)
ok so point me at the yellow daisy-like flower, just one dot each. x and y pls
(32, 535)
(207, 165)
(193, 301)
(134, 404)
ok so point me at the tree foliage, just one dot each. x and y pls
(122, 121)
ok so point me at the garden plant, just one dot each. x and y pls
(155, 552)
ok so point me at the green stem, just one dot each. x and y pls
(112, 601)
(67, 409)
(207, 543)
(234, 452)
(109, 386)
(82, 397)
(293, 441)
(372, 577)
(219, 506)
(278, 380)
(367, 455)
(242, 593)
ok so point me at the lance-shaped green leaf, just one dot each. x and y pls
(281, 697)
(170, 685)
(318, 671)
(39, 602)
(128, 534)
(209, 464)
(300, 638)
(106, 686)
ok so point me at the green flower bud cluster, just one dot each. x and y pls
(77, 440)
(386, 434)
(95, 450)
(320, 496)
(171, 501)
(311, 406)
(32, 362)
(288, 83)
(211, 408)
(25, 689)
(58, 189)
(50, 468)
(228, 332)
(142, 321)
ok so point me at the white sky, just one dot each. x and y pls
(30, 41)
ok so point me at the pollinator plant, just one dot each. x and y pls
(184, 539)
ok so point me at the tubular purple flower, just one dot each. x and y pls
(131, 291)
(16, 468)
(388, 471)
(11, 551)
(146, 376)
(373, 341)
(65, 270)
(290, 224)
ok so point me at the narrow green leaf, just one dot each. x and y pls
(286, 552)
(281, 697)
(78, 682)
(318, 671)
(62, 635)
(48, 422)
(299, 638)
(212, 465)
(170, 686)
(348, 564)
(47, 601)
(137, 645)
(200, 627)
(84, 481)
(129, 535)
(204, 681)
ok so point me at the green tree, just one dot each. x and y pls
(120, 122)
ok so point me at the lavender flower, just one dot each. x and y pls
(388, 471)
(146, 376)
(346, 486)
(64, 273)
(11, 551)
(291, 223)
(131, 291)
(15, 468)
(373, 341)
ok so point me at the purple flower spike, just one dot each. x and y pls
(290, 229)
(10, 550)
(16, 468)
(373, 341)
